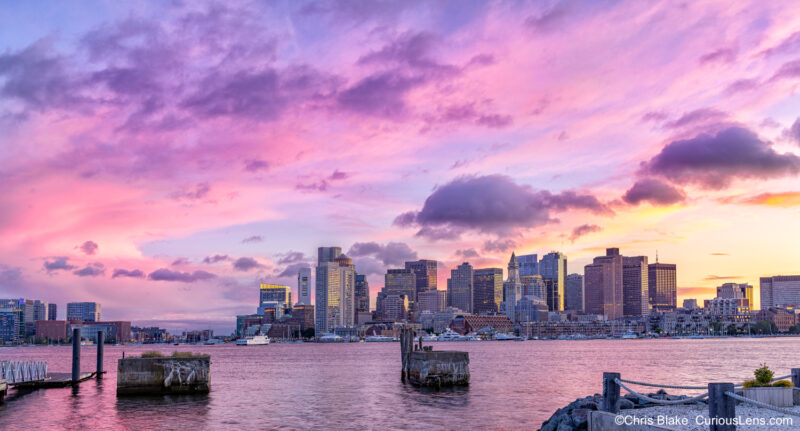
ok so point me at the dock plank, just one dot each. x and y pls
(54, 380)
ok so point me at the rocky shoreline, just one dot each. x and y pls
(574, 417)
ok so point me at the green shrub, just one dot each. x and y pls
(764, 375)
(152, 354)
(783, 384)
(750, 384)
(177, 354)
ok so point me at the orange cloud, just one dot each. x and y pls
(786, 199)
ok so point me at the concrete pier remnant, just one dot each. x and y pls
(163, 375)
(422, 366)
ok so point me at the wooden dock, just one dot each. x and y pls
(54, 380)
(3, 390)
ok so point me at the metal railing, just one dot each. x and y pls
(23, 371)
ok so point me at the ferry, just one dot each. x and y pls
(506, 337)
(378, 339)
(330, 338)
(451, 336)
(256, 340)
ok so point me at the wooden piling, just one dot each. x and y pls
(76, 355)
(721, 408)
(610, 393)
(100, 341)
(796, 383)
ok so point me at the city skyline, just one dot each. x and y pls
(166, 160)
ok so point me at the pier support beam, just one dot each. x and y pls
(76, 355)
(721, 408)
(610, 393)
(100, 341)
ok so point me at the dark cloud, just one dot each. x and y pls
(291, 270)
(246, 264)
(584, 230)
(698, 116)
(391, 254)
(253, 95)
(135, 273)
(92, 270)
(254, 238)
(180, 261)
(256, 165)
(439, 233)
(198, 192)
(291, 257)
(164, 274)
(381, 94)
(654, 191)
(793, 132)
(319, 186)
(410, 49)
(788, 70)
(467, 253)
(714, 161)
(216, 258)
(58, 263)
(498, 245)
(720, 55)
(89, 247)
(338, 175)
(492, 203)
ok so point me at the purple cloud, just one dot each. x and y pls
(254, 238)
(164, 274)
(584, 230)
(180, 261)
(467, 253)
(89, 247)
(789, 45)
(135, 273)
(291, 257)
(391, 254)
(740, 85)
(10, 277)
(698, 116)
(338, 175)
(246, 264)
(654, 191)
(92, 270)
(492, 203)
(793, 132)
(199, 192)
(549, 19)
(291, 270)
(256, 165)
(58, 263)
(720, 55)
(499, 245)
(714, 161)
(381, 94)
(788, 70)
(215, 258)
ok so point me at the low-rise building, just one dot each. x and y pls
(51, 330)
(115, 332)
(781, 317)
(615, 328)
(733, 309)
(464, 324)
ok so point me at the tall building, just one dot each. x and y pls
(9, 328)
(425, 271)
(780, 291)
(574, 293)
(512, 288)
(737, 291)
(533, 285)
(335, 290)
(602, 285)
(635, 287)
(460, 287)
(487, 290)
(52, 312)
(304, 286)
(402, 282)
(83, 311)
(274, 296)
(528, 264)
(39, 311)
(663, 286)
(553, 266)
(20, 307)
(434, 301)
(362, 293)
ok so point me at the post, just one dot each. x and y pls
(796, 383)
(100, 340)
(610, 393)
(721, 408)
(76, 355)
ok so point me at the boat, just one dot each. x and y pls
(505, 337)
(378, 339)
(330, 338)
(429, 338)
(256, 340)
(629, 336)
(451, 336)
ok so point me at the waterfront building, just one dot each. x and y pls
(531, 309)
(335, 290)
(737, 290)
(781, 317)
(553, 266)
(676, 323)
(532, 285)
(460, 287)
(603, 285)
(304, 286)
(83, 312)
(275, 293)
(512, 288)
(663, 287)
(20, 307)
(39, 311)
(635, 286)
(690, 304)
(395, 307)
(780, 291)
(582, 328)
(114, 332)
(302, 317)
(244, 321)
(433, 301)
(148, 335)
(403, 282)
(574, 293)
(468, 323)
(528, 265)
(487, 288)
(425, 272)
(51, 330)
(732, 309)
(9, 329)
(197, 336)
(362, 294)
(52, 312)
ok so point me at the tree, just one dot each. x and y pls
(732, 329)
(308, 333)
(765, 327)
(795, 329)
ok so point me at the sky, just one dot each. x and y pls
(164, 158)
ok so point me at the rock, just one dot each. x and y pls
(580, 418)
(661, 392)
(626, 404)
(564, 426)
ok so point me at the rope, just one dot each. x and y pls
(664, 402)
(763, 405)
(663, 386)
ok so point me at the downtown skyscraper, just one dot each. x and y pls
(460, 287)
(663, 287)
(487, 290)
(304, 286)
(602, 285)
(425, 272)
(512, 288)
(335, 290)
(635, 286)
(553, 269)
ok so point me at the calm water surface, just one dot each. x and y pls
(515, 385)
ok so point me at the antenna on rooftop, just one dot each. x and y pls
(656, 255)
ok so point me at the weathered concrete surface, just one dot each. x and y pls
(438, 368)
(778, 397)
(146, 376)
(604, 421)
(3, 390)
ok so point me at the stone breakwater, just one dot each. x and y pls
(575, 416)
